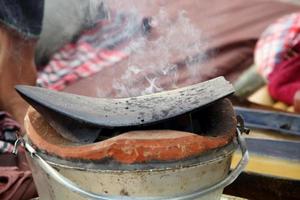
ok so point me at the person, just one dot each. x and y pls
(277, 56)
(20, 28)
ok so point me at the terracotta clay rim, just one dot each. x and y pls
(128, 148)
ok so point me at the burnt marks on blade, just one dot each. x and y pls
(104, 113)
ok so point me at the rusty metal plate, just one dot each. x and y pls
(80, 116)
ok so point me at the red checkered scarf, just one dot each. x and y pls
(102, 45)
(275, 43)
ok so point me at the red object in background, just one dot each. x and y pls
(284, 82)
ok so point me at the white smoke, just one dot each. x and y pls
(153, 58)
(178, 40)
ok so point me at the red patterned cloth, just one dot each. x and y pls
(277, 56)
(102, 45)
(275, 43)
(284, 82)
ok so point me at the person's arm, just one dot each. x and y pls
(20, 27)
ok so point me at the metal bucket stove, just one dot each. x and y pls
(171, 145)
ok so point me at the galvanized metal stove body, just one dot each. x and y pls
(170, 145)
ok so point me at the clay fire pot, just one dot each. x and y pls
(216, 126)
